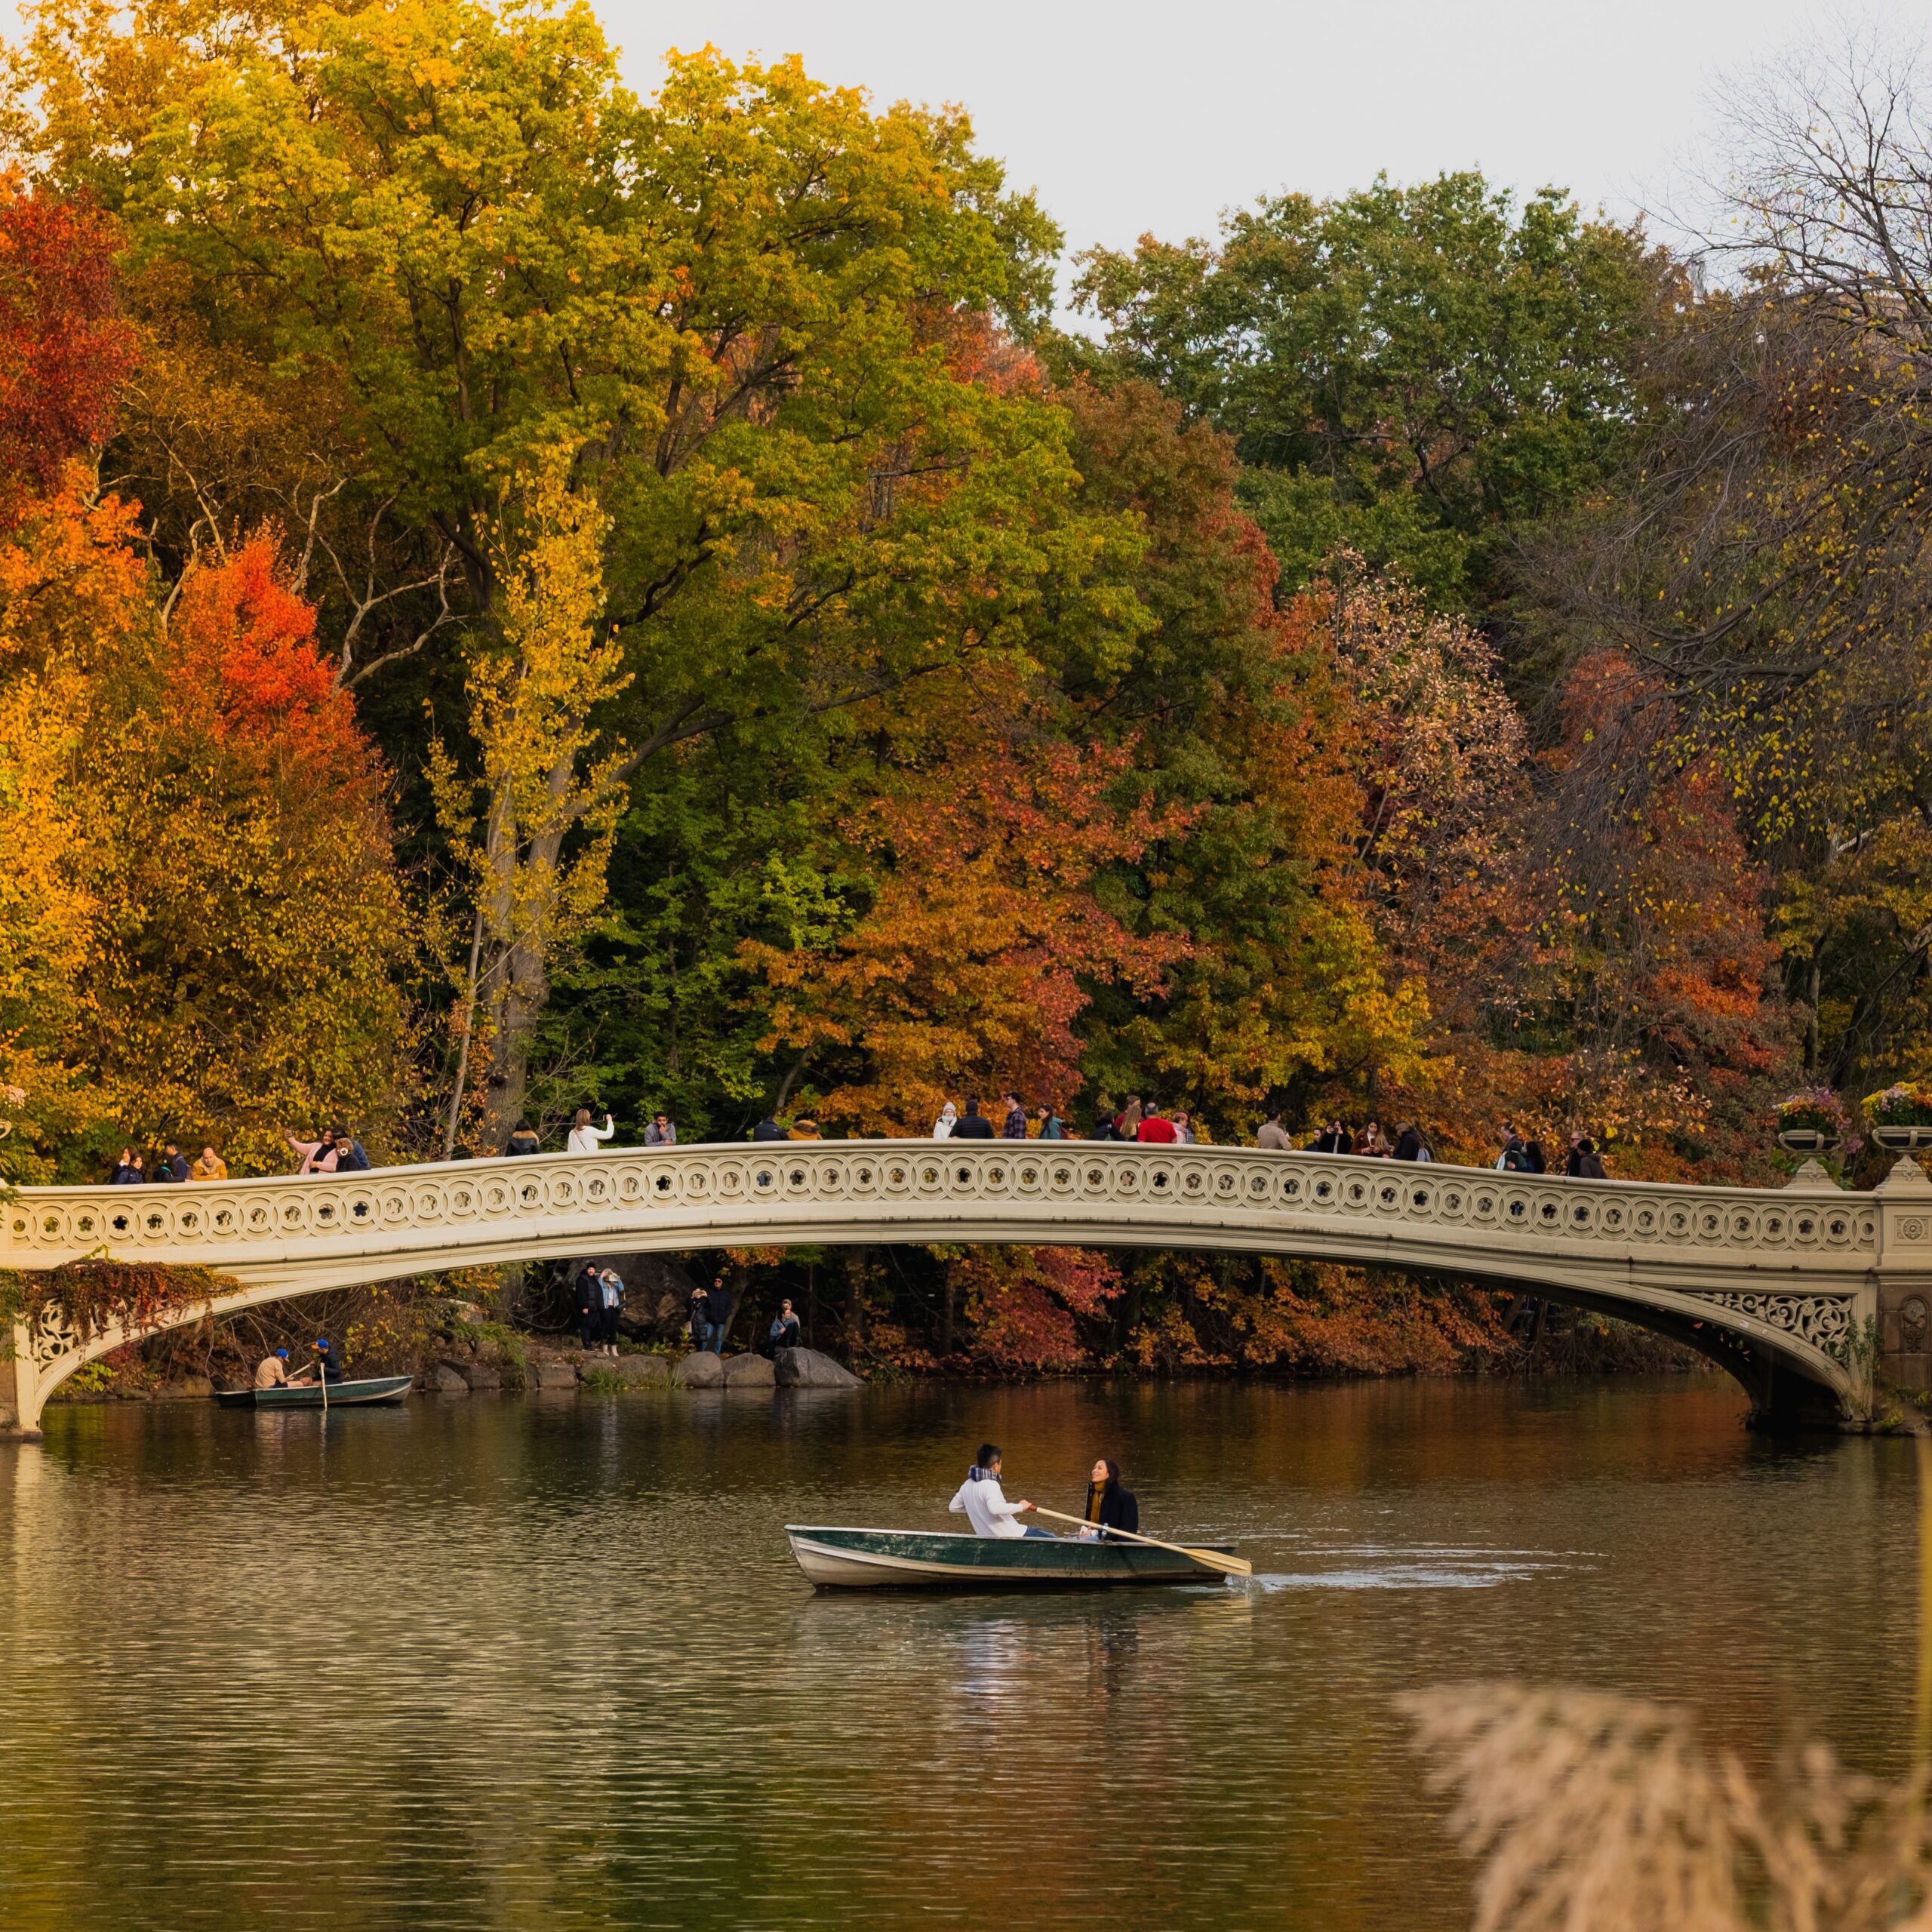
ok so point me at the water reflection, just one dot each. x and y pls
(506, 1664)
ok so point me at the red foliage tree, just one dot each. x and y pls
(64, 350)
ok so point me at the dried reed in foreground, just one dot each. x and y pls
(1587, 1813)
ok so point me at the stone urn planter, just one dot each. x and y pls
(1812, 1122)
(1901, 1116)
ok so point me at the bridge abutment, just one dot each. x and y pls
(20, 1395)
(1901, 1343)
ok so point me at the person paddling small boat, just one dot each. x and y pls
(1110, 1506)
(983, 1503)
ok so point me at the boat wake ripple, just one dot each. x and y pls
(1429, 1568)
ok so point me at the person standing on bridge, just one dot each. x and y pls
(1273, 1134)
(1014, 1127)
(1589, 1162)
(942, 1127)
(768, 1129)
(1153, 1130)
(523, 1141)
(661, 1133)
(127, 1170)
(1052, 1127)
(1127, 1122)
(973, 1125)
(584, 1137)
(210, 1167)
(314, 1157)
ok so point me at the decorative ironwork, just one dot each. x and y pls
(1822, 1320)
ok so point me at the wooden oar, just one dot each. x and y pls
(1211, 1559)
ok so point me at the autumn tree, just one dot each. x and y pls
(969, 963)
(752, 307)
(540, 784)
(1232, 712)
(1415, 372)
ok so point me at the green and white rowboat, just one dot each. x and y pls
(836, 1559)
(308, 1394)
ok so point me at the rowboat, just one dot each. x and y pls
(309, 1396)
(836, 1559)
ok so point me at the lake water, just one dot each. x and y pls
(547, 1663)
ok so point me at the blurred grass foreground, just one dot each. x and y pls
(1590, 1812)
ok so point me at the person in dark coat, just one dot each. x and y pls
(707, 1330)
(1408, 1143)
(1589, 1162)
(589, 1304)
(1015, 1127)
(767, 1129)
(973, 1125)
(1109, 1507)
(171, 1165)
(523, 1140)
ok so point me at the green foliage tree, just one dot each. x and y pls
(756, 312)
(1414, 373)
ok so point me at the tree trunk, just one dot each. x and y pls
(519, 912)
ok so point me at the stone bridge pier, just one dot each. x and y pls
(1818, 1299)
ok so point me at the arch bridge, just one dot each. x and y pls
(1805, 1293)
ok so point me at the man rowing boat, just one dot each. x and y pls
(983, 1503)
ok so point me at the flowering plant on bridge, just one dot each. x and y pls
(1904, 1103)
(1817, 1110)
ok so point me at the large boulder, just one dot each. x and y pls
(634, 1371)
(703, 1370)
(480, 1375)
(806, 1368)
(547, 1372)
(446, 1381)
(749, 1372)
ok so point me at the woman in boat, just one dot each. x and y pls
(1109, 1506)
(983, 1503)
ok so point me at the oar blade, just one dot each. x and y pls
(1229, 1566)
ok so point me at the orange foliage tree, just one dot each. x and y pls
(968, 968)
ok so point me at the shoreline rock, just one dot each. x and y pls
(806, 1368)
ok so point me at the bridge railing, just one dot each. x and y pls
(735, 1185)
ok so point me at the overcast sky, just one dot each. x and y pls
(1131, 117)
